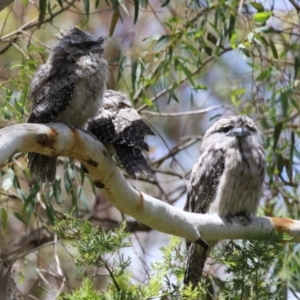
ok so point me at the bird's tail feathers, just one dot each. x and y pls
(196, 258)
(42, 167)
(133, 161)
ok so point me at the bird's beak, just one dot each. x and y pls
(238, 132)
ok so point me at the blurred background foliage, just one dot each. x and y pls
(184, 64)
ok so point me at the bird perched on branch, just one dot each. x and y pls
(122, 130)
(226, 180)
(68, 88)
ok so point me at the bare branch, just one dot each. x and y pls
(184, 113)
(59, 139)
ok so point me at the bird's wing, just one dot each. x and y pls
(121, 127)
(204, 181)
(201, 193)
(133, 161)
(131, 116)
(51, 98)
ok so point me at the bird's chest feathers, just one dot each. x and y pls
(89, 87)
(240, 184)
(91, 74)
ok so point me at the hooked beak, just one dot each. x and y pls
(238, 132)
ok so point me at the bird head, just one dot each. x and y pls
(232, 130)
(76, 43)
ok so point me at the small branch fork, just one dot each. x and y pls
(58, 139)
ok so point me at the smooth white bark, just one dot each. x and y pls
(59, 139)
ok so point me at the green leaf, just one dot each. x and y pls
(200, 87)
(233, 40)
(57, 191)
(136, 10)
(179, 65)
(97, 2)
(147, 101)
(50, 10)
(276, 134)
(19, 217)
(239, 91)
(264, 75)
(173, 96)
(165, 3)
(280, 163)
(234, 99)
(50, 213)
(114, 20)
(75, 204)
(262, 17)
(83, 198)
(162, 43)
(291, 157)
(284, 103)
(296, 66)
(42, 7)
(136, 72)
(208, 50)
(60, 3)
(68, 183)
(122, 64)
(4, 219)
(257, 6)
(273, 49)
(86, 6)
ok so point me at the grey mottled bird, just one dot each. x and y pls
(122, 130)
(68, 88)
(226, 180)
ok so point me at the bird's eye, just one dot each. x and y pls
(251, 128)
(83, 45)
(225, 129)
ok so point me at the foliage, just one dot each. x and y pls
(250, 265)
(86, 292)
(225, 56)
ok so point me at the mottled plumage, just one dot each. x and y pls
(68, 88)
(119, 125)
(226, 180)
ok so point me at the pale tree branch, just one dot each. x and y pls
(59, 139)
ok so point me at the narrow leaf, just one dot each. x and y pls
(60, 3)
(273, 49)
(19, 217)
(257, 6)
(4, 219)
(136, 10)
(291, 157)
(262, 17)
(284, 103)
(50, 213)
(276, 134)
(42, 7)
(122, 64)
(264, 75)
(165, 3)
(162, 42)
(114, 20)
(86, 5)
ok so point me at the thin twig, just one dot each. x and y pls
(185, 113)
(184, 79)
